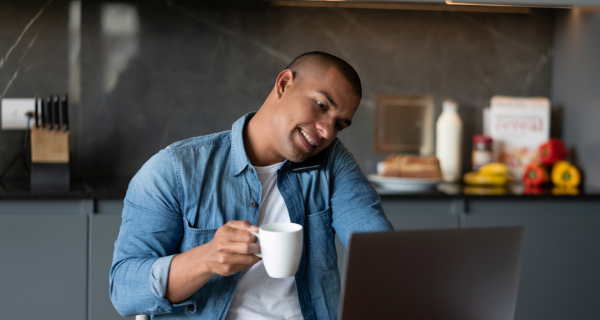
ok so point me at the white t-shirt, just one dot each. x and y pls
(259, 296)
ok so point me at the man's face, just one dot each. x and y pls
(310, 114)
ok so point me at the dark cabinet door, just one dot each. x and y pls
(423, 214)
(560, 275)
(104, 230)
(43, 266)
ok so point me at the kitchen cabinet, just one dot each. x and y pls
(559, 275)
(104, 229)
(43, 256)
(56, 254)
(423, 214)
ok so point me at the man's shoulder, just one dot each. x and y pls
(337, 149)
(340, 158)
(215, 139)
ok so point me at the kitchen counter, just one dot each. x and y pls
(116, 189)
(17, 189)
(511, 192)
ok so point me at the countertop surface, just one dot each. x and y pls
(116, 189)
(512, 191)
(80, 189)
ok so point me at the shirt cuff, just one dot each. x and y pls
(159, 275)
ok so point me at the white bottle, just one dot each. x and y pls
(448, 145)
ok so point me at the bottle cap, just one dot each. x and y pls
(481, 138)
(449, 104)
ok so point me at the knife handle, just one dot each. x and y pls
(50, 113)
(65, 112)
(44, 113)
(36, 112)
(57, 112)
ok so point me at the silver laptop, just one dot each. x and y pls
(433, 274)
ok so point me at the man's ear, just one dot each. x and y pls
(284, 80)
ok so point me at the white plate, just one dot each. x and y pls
(403, 184)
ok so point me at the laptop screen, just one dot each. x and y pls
(433, 274)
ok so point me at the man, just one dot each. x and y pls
(185, 247)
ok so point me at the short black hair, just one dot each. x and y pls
(322, 61)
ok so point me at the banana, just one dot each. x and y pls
(479, 179)
(494, 168)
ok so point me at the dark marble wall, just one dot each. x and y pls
(142, 75)
(575, 87)
(34, 53)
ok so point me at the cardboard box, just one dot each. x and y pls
(518, 126)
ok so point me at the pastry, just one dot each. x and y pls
(410, 166)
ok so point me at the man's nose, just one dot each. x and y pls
(327, 129)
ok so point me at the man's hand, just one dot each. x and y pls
(231, 250)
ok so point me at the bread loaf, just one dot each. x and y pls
(409, 166)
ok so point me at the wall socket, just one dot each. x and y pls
(14, 113)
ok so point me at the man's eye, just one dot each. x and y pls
(339, 127)
(322, 106)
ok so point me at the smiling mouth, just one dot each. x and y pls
(312, 143)
(308, 142)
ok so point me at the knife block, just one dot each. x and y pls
(50, 169)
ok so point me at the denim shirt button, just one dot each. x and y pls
(254, 204)
(231, 282)
(251, 170)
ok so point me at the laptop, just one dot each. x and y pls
(458, 274)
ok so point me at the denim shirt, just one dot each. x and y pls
(185, 192)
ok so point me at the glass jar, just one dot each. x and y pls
(482, 151)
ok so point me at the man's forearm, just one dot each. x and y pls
(187, 274)
(231, 250)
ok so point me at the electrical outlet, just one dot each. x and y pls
(14, 113)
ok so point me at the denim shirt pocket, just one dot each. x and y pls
(193, 237)
(321, 240)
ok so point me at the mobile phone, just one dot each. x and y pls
(311, 163)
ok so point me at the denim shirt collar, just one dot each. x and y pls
(239, 159)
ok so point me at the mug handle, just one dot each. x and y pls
(257, 237)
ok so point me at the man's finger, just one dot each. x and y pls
(242, 225)
(241, 247)
(236, 235)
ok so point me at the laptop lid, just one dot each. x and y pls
(433, 274)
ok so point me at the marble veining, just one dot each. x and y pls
(22, 33)
(229, 32)
(16, 73)
(3, 60)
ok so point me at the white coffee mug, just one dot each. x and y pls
(280, 248)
